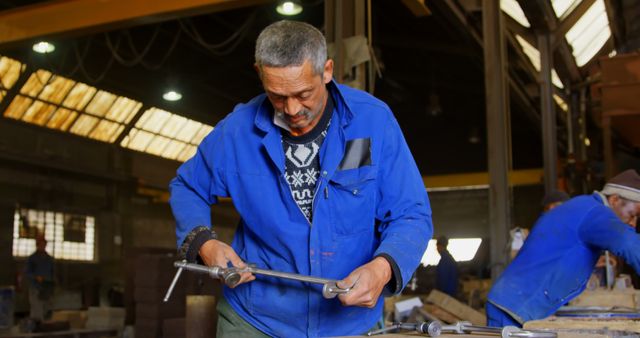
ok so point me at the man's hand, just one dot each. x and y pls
(366, 283)
(217, 253)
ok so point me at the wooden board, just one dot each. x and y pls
(553, 323)
(608, 298)
(456, 308)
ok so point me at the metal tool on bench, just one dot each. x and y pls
(432, 328)
(231, 277)
(435, 328)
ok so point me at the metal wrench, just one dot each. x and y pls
(231, 277)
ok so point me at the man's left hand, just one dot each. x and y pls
(366, 283)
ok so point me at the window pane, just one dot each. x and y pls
(79, 96)
(56, 89)
(84, 125)
(9, 72)
(140, 140)
(34, 84)
(173, 126)
(563, 7)
(18, 106)
(189, 131)
(62, 119)
(116, 134)
(104, 131)
(202, 133)
(174, 149)
(589, 33)
(126, 139)
(68, 236)
(123, 109)
(157, 145)
(156, 121)
(188, 152)
(513, 9)
(100, 103)
(38, 113)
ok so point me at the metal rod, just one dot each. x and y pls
(173, 285)
(291, 276)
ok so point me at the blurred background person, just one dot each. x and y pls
(39, 273)
(447, 269)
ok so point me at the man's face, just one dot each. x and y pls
(625, 209)
(297, 94)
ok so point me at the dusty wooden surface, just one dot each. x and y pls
(584, 323)
(608, 298)
(412, 335)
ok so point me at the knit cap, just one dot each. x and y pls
(626, 185)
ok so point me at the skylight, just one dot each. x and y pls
(171, 136)
(462, 250)
(513, 9)
(534, 57)
(564, 7)
(59, 103)
(9, 73)
(589, 33)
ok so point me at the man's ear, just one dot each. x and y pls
(257, 68)
(327, 73)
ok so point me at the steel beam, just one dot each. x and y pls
(57, 18)
(498, 135)
(547, 109)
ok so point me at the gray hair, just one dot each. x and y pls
(291, 43)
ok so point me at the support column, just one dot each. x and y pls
(547, 109)
(345, 19)
(498, 133)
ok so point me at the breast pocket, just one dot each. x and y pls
(352, 199)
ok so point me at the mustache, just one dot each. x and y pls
(302, 113)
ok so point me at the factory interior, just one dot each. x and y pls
(502, 104)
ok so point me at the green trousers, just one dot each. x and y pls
(230, 325)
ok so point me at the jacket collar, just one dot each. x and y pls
(264, 117)
(603, 198)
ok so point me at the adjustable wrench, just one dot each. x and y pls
(231, 277)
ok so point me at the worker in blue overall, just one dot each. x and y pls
(325, 185)
(562, 249)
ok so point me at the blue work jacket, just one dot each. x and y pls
(370, 201)
(559, 255)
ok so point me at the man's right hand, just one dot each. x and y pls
(216, 253)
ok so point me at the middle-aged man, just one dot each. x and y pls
(325, 186)
(559, 255)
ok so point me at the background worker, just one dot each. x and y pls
(447, 269)
(39, 272)
(562, 249)
(325, 185)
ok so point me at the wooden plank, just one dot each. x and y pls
(555, 323)
(456, 308)
(607, 298)
(64, 16)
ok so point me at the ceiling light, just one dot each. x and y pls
(172, 96)
(587, 141)
(289, 8)
(43, 47)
